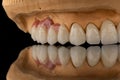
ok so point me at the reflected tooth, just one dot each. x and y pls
(78, 55)
(93, 55)
(64, 55)
(118, 29)
(92, 34)
(109, 55)
(77, 35)
(108, 33)
(42, 35)
(119, 53)
(52, 36)
(42, 54)
(52, 53)
(34, 52)
(63, 34)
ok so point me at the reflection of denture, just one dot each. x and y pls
(76, 22)
(71, 63)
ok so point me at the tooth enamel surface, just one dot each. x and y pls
(52, 53)
(52, 36)
(93, 55)
(42, 54)
(92, 34)
(64, 55)
(78, 55)
(118, 29)
(108, 33)
(33, 33)
(42, 35)
(63, 34)
(34, 52)
(77, 35)
(119, 53)
(109, 55)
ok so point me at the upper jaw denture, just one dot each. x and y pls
(61, 21)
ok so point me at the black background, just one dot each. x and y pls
(12, 41)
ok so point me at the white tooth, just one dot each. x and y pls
(92, 34)
(93, 55)
(77, 35)
(33, 33)
(34, 52)
(64, 55)
(42, 35)
(52, 36)
(108, 33)
(118, 29)
(52, 53)
(63, 34)
(42, 54)
(78, 55)
(109, 55)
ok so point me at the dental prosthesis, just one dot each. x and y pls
(76, 22)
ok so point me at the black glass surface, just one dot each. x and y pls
(12, 41)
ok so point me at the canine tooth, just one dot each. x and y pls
(78, 55)
(92, 34)
(52, 36)
(109, 55)
(118, 29)
(77, 34)
(42, 54)
(42, 35)
(52, 53)
(93, 55)
(64, 55)
(63, 34)
(108, 33)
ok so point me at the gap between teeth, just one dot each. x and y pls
(77, 55)
(108, 34)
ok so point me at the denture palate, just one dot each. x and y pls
(46, 31)
(76, 55)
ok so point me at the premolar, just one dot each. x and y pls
(78, 55)
(92, 34)
(63, 34)
(93, 55)
(52, 36)
(77, 35)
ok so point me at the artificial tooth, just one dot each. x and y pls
(33, 33)
(42, 54)
(118, 29)
(119, 53)
(109, 55)
(108, 33)
(63, 34)
(52, 36)
(78, 55)
(93, 55)
(92, 34)
(64, 55)
(77, 35)
(52, 53)
(42, 35)
(34, 52)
